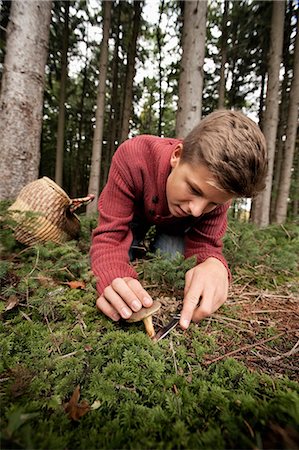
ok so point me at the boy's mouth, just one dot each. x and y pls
(179, 212)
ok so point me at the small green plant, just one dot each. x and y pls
(137, 393)
(265, 257)
(165, 271)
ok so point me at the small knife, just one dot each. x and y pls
(167, 329)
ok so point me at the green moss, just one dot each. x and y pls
(147, 395)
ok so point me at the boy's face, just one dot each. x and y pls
(191, 190)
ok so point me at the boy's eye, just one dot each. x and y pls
(194, 191)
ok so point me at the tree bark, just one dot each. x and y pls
(295, 198)
(21, 100)
(114, 102)
(291, 131)
(128, 91)
(77, 185)
(94, 180)
(62, 97)
(159, 37)
(221, 99)
(191, 75)
(262, 213)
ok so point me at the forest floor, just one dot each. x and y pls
(229, 382)
(261, 328)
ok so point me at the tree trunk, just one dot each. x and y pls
(286, 172)
(77, 185)
(128, 90)
(283, 111)
(94, 180)
(221, 99)
(191, 75)
(21, 101)
(114, 103)
(62, 97)
(160, 70)
(262, 214)
(295, 198)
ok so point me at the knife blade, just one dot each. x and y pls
(164, 331)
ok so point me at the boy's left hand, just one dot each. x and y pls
(206, 289)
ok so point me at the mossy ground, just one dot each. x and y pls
(229, 382)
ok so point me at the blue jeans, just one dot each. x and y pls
(166, 243)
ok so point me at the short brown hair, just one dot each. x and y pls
(234, 150)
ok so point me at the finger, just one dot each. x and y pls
(127, 294)
(205, 309)
(190, 303)
(209, 304)
(107, 309)
(140, 292)
(188, 279)
(117, 302)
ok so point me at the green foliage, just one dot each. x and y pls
(141, 394)
(265, 257)
(166, 271)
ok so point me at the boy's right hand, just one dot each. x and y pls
(123, 297)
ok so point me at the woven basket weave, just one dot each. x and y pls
(43, 212)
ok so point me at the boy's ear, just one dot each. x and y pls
(176, 155)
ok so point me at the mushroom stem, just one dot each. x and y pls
(148, 323)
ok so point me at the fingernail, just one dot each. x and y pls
(147, 301)
(184, 323)
(125, 312)
(115, 317)
(136, 305)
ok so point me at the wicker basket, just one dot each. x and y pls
(44, 212)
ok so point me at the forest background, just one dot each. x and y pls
(66, 103)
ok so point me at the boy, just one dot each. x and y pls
(185, 188)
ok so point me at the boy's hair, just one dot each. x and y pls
(234, 150)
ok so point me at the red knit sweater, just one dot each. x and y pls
(137, 185)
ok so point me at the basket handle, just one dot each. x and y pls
(77, 202)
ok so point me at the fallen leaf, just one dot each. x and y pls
(74, 409)
(11, 303)
(76, 284)
(96, 404)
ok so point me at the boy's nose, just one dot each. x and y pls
(197, 206)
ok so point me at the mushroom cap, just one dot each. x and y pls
(145, 312)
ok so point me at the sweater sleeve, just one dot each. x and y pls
(112, 238)
(204, 240)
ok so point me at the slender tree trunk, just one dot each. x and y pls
(114, 103)
(77, 185)
(94, 180)
(291, 131)
(191, 75)
(62, 98)
(221, 99)
(4, 19)
(21, 101)
(283, 110)
(295, 198)
(262, 216)
(128, 91)
(159, 45)
(280, 145)
(257, 201)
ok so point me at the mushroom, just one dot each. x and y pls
(145, 314)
